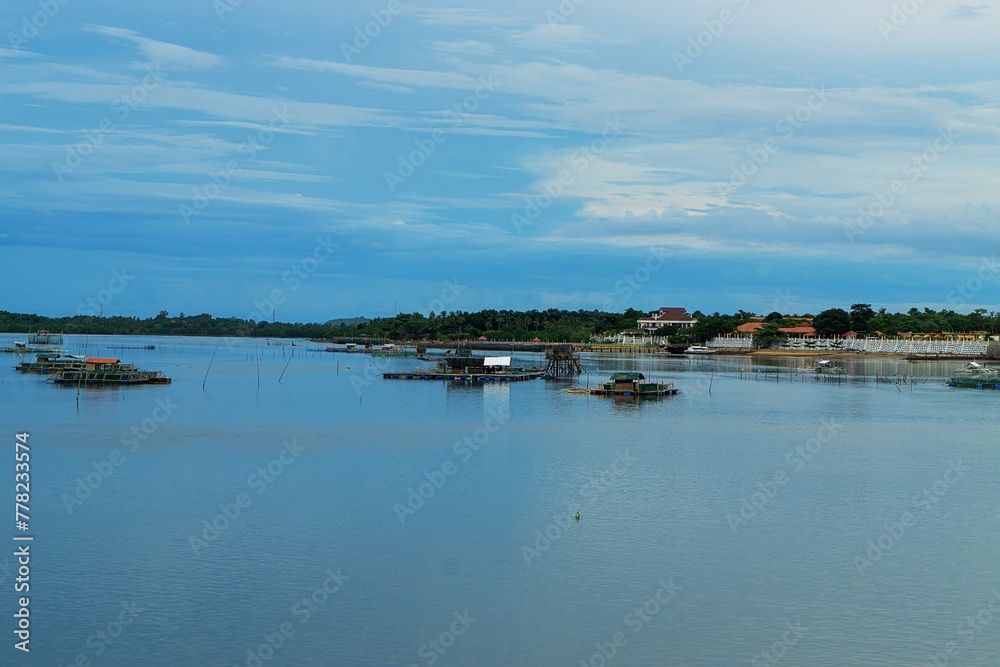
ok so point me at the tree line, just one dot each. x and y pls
(552, 325)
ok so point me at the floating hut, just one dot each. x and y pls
(632, 385)
(108, 371)
(46, 339)
(31, 345)
(975, 376)
(50, 362)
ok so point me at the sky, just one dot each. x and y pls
(312, 160)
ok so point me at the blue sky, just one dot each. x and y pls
(713, 155)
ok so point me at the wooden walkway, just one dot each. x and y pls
(470, 378)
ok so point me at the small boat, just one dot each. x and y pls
(98, 371)
(699, 349)
(631, 385)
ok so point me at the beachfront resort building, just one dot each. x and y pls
(667, 317)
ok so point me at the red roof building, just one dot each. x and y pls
(800, 332)
(667, 317)
(793, 332)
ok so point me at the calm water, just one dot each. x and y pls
(659, 487)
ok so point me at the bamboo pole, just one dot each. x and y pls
(290, 357)
(210, 365)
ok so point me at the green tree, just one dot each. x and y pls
(861, 317)
(768, 334)
(832, 322)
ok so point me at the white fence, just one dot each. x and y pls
(887, 345)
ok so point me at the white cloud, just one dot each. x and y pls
(463, 18)
(167, 55)
(401, 77)
(12, 54)
(463, 47)
(968, 12)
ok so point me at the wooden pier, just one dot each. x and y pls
(466, 378)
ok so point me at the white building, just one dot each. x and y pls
(667, 317)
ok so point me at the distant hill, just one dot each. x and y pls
(347, 322)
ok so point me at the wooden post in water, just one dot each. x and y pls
(290, 357)
(210, 365)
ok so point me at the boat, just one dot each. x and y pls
(100, 371)
(50, 362)
(699, 349)
(631, 385)
(823, 366)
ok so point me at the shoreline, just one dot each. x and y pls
(609, 350)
